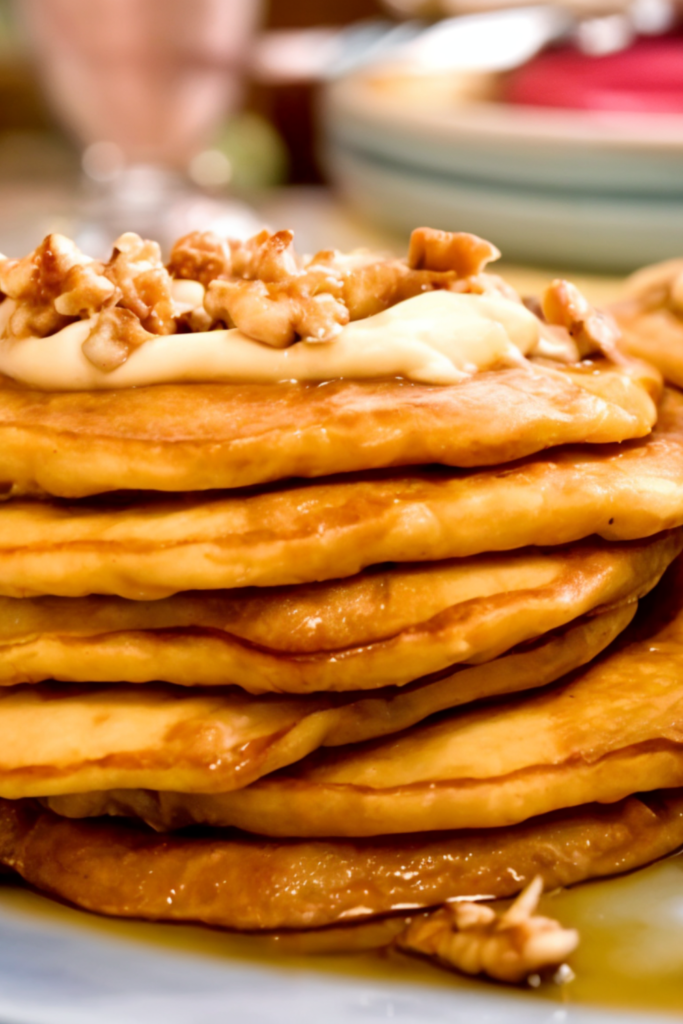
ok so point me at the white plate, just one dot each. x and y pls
(433, 128)
(529, 225)
(60, 974)
(546, 186)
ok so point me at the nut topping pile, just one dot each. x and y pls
(260, 286)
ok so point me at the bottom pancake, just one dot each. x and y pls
(249, 884)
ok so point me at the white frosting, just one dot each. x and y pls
(435, 338)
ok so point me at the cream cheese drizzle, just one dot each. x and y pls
(438, 337)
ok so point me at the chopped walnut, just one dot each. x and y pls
(115, 333)
(265, 257)
(86, 291)
(372, 288)
(39, 277)
(593, 332)
(658, 285)
(204, 256)
(458, 251)
(273, 296)
(201, 256)
(437, 259)
(363, 283)
(37, 281)
(311, 300)
(143, 283)
(510, 946)
(275, 315)
(261, 287)
(27, 320)
(130, 297)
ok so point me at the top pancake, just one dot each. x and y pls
(193, 437)
(332, 529)
(558, 381)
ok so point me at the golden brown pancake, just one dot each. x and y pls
(655, 335)
(57, 739)
(152, 548)
(241, 882)
(650, 316)
(380, 628)
(193, 437)
(613, 729)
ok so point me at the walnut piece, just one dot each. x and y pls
(115, 333)
(130, 297)
(200, 256)
(28, 319)
(593, 332)
(265, 257)
(465, 254)
(367, 290)
(39, 277)
(474, 939)
(274, 314)
(47, 284)
(86, 291)
(143, 283)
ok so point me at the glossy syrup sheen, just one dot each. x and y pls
(630, 956)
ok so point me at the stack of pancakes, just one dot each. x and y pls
(335, 650)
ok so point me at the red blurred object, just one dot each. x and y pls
(647, 78)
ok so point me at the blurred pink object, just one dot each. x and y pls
(151, 76)
(646, 77)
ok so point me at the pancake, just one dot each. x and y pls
(382, 628)
(241, 882)
(179, 377)
(193, 437)
(151, 548)
(655, 335)
(614, 729)
(58, 739)
(650, 317)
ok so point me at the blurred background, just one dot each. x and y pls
(555, 130)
